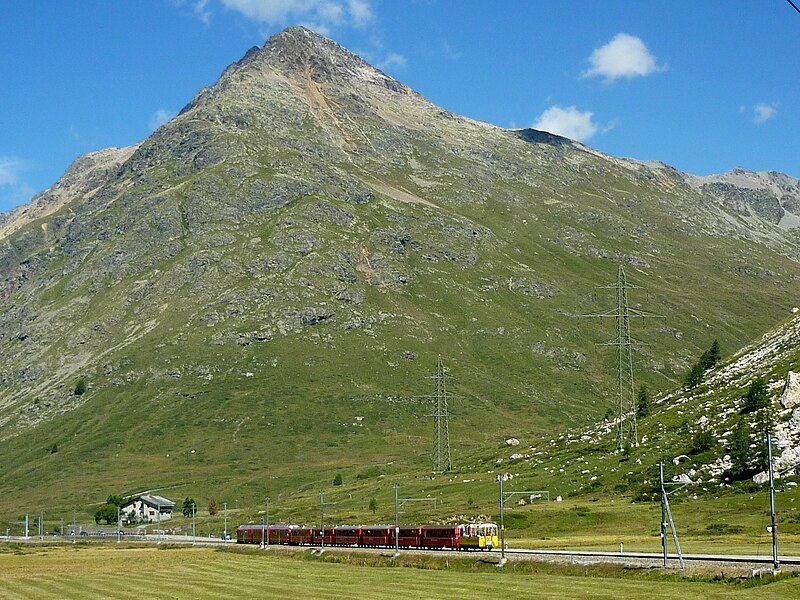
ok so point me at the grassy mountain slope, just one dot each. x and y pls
(255, 296)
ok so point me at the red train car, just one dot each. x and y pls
(377, 535)
(308, 536)
(440, 536)
(347, 536)
(255, 534)
(408, 538)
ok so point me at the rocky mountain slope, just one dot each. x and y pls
(273, 273)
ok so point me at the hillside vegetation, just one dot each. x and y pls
(249, 301)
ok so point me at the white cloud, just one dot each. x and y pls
(568, 122)
(202, 11)
(392, 60)
(361, 12)
(13, 191)
(159, 118)
(9, 170)
(322, 13)
(764, 112)
(625, 56)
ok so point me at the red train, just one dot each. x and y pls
(471, 536)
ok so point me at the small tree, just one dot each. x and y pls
(115, 499)
(710, 357)
(373, 505)
(643, 402)
(338, 479)
(188, 505)
(80, 388)
(213, 506)
(757, 396)
(739, 450)
(703, 441)
(694, 376)
(107, 512)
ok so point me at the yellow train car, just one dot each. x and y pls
(479, 536)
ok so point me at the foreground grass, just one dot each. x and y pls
(91, 572)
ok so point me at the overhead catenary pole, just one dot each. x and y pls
(194, 530)
(773, 519)
(666, 518)
(322, 519)
(267, 502)
(225, 529)
(501, 477)
(119, 524)
(396, 522)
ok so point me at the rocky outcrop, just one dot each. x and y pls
(790, 397)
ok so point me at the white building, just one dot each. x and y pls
(146, 509)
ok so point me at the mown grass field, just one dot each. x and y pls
(104, 572)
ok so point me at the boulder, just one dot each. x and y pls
(791, 390)
(512, 442)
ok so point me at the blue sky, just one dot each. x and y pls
(702, 85)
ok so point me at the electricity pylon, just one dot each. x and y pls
(627, 430)
(441, 432)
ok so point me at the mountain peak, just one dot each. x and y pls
(301, 54)
(297, 50)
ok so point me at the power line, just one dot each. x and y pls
(794, 6)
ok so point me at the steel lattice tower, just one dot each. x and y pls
(627, 430)
(441, 432)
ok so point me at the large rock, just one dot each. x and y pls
(791, 390)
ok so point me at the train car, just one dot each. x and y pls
(440, 536)
(376, 535)
(478, 536)
(307, 536)
(347, 536)
(256, 534)
(408, 537)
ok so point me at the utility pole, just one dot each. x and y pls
(119, 524)
(41, 526)
(396, 522)
(627, 428)
(267, 503)
(74, 528)
(441, 432)
(322, 519)
(225, 531)
(774, 527)
(194, 530)
(666, 514)
(27, 531)
(501, 478)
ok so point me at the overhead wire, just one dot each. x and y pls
(794, 6)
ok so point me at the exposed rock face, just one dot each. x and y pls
(84, 177)
(790, 398)
(771, 196)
